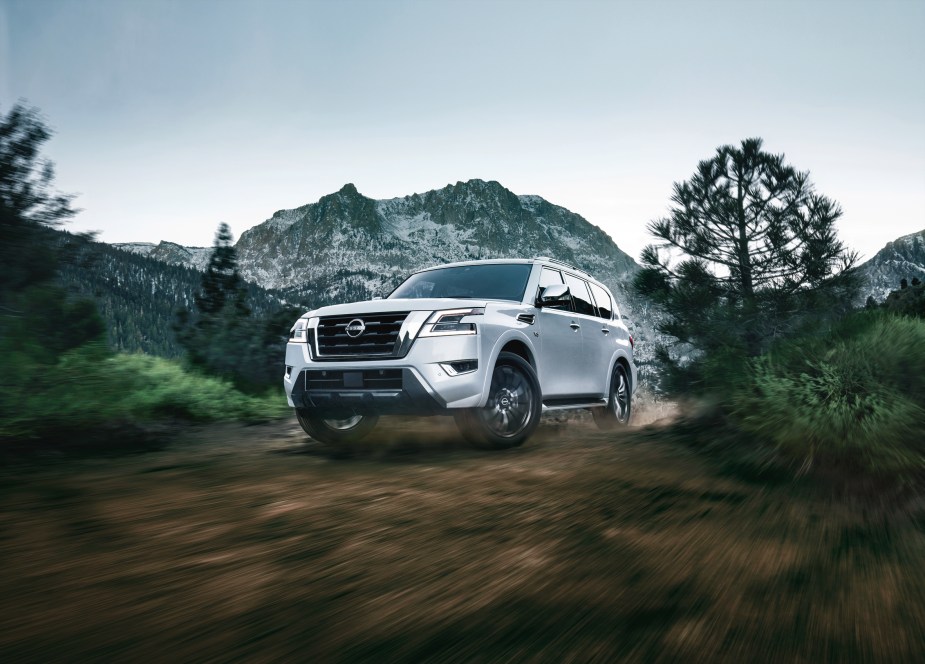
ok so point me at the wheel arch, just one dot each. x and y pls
(518, 347)
(626, 365)
(511, 341)
(620, 358)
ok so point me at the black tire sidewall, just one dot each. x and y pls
(606, 417)
(476, 431)
(629, 394)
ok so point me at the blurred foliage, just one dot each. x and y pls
(38, 321)
(59, 380)
(88, 389)
(851, 399)
(28, 206)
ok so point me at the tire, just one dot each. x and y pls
(337, 434)
(619, 406)
(513, 409)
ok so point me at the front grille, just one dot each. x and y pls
(379, 338)
(370, 379)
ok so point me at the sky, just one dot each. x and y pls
(173, 116)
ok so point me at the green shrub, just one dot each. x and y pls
(852, 399)
(162, 387)
(89, 389)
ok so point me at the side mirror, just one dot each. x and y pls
(555, 294)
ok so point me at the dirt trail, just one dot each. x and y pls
(249, 543)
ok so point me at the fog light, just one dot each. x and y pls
(460, 367)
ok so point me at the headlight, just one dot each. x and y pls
(444, 323)
(298, 333)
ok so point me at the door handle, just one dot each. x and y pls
(605, 330)
(574, 325)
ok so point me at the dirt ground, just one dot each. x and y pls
(251, 544)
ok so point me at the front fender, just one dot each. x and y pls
(504, 339)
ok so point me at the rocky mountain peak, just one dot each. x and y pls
(903, 258)
(906, 248)
(346, 195)
(377, 242)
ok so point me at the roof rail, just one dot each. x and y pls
(557, 261)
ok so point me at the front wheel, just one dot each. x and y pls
(619, 404)
(336, 430)
(513, 409)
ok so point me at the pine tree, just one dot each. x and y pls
(221, 336)
(34, 309)
(28, 202)
(748, 251)
(221, 283)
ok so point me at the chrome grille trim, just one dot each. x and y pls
(381, 338)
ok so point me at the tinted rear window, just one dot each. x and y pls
(602, 299)
(474, 282)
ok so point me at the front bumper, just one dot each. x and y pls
(411, 398)
(417, 384)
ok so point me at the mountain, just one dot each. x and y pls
(348, 246)
(347, 241)
(903, 258)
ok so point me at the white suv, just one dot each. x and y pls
(492, 342)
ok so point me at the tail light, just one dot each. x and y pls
(632, 342)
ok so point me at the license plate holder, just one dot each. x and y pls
(353, 380)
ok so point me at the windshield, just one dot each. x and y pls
(476, 282)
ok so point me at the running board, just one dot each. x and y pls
(570, 404)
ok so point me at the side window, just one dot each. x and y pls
(603, 301)
(549, 277)
(580, 296)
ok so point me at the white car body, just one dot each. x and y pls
(573, 350)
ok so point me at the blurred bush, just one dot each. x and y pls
(88, 389)
(850, 399)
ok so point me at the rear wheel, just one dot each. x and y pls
(336, 430)
(513, 409)
(619, 404)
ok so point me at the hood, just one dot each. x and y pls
(385, 306)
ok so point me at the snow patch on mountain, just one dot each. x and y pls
(283, 219)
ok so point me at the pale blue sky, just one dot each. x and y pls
(174, 116)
